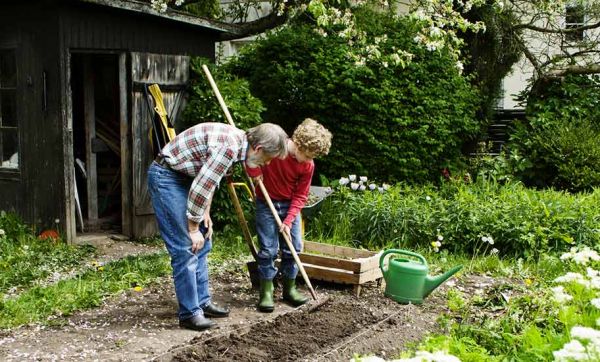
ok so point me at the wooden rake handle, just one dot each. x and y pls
(287, 239)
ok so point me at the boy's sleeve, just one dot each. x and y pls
(299, 196)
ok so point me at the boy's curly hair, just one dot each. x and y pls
(311, 137)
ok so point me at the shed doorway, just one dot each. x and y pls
(96, 107)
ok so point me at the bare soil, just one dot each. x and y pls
(142, 326)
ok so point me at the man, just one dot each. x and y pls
(181, 182)
(288, 183)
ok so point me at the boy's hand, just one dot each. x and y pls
(284, 229)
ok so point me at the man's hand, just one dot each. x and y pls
(284, 229)
(197, 240)
(257, 178)
(208, 224)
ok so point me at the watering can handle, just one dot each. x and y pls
(399, 251)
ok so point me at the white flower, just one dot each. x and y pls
(440, 238)
(490, 240)
(573, 350)
(381, 189)
(372, 187)
(344, 181)
(494, 251)
(435, 31)
(2, 232)
(57, 221)
(484, 239)
(352, 177)
(386, 187)
(362, 187)
(354, 186)
(560, 296)
(582, 257)
(460, 66)
(178, 2)
(438, 244)
(571, 277)
(595, 302)
(585, 333)
(436, 249)
(363, 178)
(427, 198)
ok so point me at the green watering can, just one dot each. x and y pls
(406, 281)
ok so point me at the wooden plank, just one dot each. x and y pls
(66, 99)
(332, 262)
(369, 276)
(340, 251)
(369, 263)
(126, 202)
(332, 275)
(90, 133)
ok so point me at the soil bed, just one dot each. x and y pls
(341, 327)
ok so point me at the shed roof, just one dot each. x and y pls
(145, 8)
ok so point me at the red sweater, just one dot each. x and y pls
(286, 180)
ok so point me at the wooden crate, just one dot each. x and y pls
(337, 264)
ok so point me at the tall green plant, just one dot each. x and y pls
(391, 118)
(472, 218)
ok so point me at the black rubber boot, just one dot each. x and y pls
(265, 303)
(291, 294)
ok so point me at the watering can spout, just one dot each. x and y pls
(433, 282)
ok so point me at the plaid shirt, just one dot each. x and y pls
(205, 152)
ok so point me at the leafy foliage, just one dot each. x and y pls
(521, 222)
(560, 137)
(399, 121)
(24, 258)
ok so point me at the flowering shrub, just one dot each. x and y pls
(392, 118)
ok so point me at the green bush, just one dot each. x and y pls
(520, 221)
(202, 103)
(396, 122)
(560, 136)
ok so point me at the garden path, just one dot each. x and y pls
(142, 326)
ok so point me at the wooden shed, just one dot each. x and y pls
(74, 116)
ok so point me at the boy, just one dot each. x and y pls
(288, 183)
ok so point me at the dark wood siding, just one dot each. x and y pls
(45, 33)
(89, 26)
(38, 189)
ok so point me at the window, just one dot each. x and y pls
(9, 136)
(574, 18)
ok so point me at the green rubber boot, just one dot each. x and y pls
(291, 294)
(265, 303)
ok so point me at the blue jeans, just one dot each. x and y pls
(271, 240)
(169, 192)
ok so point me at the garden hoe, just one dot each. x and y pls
(317, 303)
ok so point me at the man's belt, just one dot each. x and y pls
(160, 159)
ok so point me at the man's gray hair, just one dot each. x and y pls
(271, 137)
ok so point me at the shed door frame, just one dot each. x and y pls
(70, 186)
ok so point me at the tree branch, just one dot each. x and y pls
(574, 69)
(556, 31)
